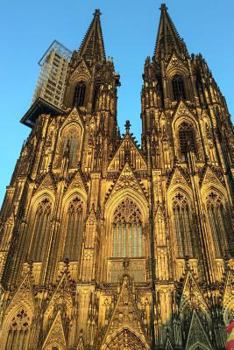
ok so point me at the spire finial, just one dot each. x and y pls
(163, 7)
(97, 13)
(127, 126)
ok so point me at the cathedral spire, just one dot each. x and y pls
(168, 39)
(92, 46)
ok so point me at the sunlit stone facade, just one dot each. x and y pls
(108, 245)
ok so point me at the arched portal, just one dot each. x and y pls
(125, 340)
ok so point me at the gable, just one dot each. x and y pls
(80, 343)
(77, 182)
(73, 118)
(211, 176)
(125, 317)
(176, 65)
(178, 176)
(81, 72)
(127, 152)
(23, 296)
(47, 183)
(191, 292)
(56, 335)
(197, 334)
(126, 180)
(183, 111)
(62, 291)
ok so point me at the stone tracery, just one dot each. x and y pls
(74, 229)
(19, 331)
(41, 231)
(217, 218)
(182, 219)
(127, 230)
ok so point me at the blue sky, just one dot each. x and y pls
(129, 26)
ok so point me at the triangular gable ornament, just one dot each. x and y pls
(197, 334)
(176, 64)
(178, 177)
(125, 316)
(126, 180)
(55, 336)
(24, 295)
(81, 343)
(210, 177)
(62, 289)
(77, 182)
(81, 71)
(73, 117)
(182, 111)
(129, 145)
(192, 294)
(47, 183)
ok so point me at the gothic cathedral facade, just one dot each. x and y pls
(105, 244)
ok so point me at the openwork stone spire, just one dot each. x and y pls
(92, 47)
(168, 39)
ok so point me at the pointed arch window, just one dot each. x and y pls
(74, 230)
(79, 96)
(182, 217)
(41, 231)
(127, 231)
(217, 221)
(187, 138)
(178, 88)
(18, 334)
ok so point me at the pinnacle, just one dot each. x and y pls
(127, 126)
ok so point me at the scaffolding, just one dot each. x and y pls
(54, 67)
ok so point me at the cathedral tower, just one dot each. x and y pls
(105, 244)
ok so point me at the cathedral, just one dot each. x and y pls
(106, 244)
